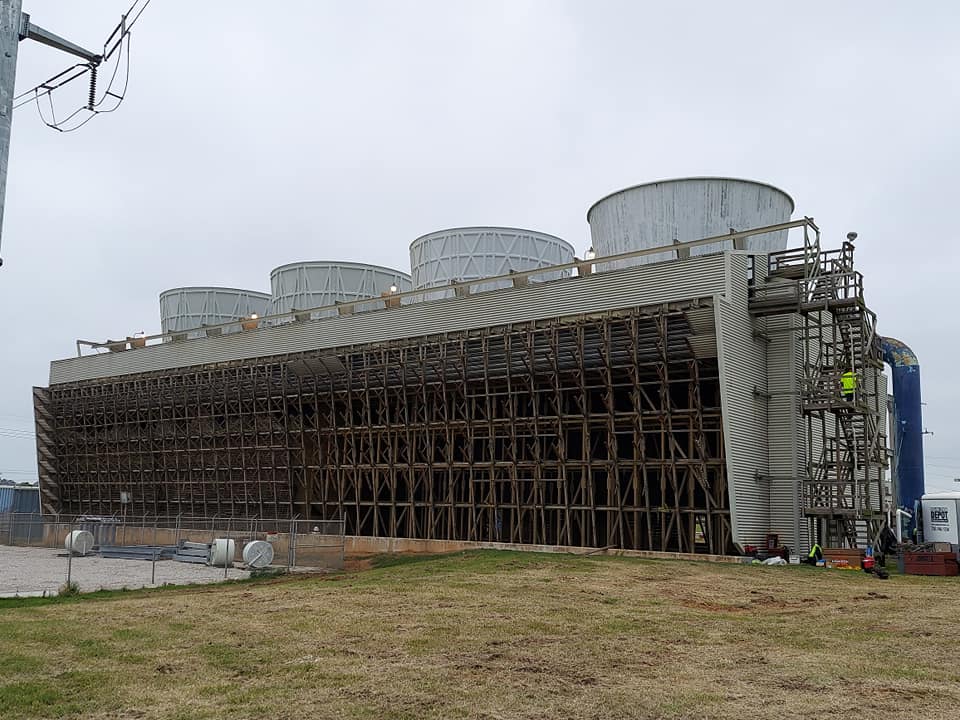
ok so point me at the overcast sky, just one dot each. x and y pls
(256, 134)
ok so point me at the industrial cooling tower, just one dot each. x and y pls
(473, 253)
(189, 308)
(660, 213)
(306, 285)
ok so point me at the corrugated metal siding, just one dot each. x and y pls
(27, 500)
(886, 502)
(6, 499)
(703, 341)
(879, 404)
(743, 368)
(19, 499)
(804, 541)
(645, 285)
(20, 514)
(817, 434)
(786, 458)
(818, 429)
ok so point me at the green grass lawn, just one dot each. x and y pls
(495, 635)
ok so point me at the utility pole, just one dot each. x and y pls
(9, 42)
(15, 26)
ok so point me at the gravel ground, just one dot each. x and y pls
(34, 571)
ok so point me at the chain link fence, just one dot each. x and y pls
(48, 554)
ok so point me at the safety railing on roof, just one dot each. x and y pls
(804, 261)
(820, 291)
(584, 267)
(831, 288)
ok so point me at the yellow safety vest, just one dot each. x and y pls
(848, 381)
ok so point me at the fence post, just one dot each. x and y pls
(70, 557)
(226, 553)
(153, 565)
(294, 537)
(289, 542)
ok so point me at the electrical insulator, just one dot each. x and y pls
(93, 87)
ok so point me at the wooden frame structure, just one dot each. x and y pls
(601, 430)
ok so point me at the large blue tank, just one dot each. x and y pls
(908, 424)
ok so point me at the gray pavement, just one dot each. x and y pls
(35, 571)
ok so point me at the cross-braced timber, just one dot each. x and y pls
(601, 430)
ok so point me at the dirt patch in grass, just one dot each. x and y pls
(357, 563)
(495, 635)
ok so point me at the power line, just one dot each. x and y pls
(92, 106)
(120, 37)
(124, 27)
(952, 468)
(15, 26)
(16, 433)
(50, 84)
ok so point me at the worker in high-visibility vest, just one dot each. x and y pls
(848, 384)
(815, 555)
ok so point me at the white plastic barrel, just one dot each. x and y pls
(258, 553)
(79, 542)
(221, 552)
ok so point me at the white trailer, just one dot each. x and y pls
(941, 512)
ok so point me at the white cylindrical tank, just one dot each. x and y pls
(79, 542)
(258, 553)
(188, 308)
(657, 214)
(305, 285)
(472, 253)
(222, 551)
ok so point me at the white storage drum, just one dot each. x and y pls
(222, 551)
(258, 554)
(79, 542)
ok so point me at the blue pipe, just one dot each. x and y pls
(908, 422)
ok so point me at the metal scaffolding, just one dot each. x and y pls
(600, 431)
(842, 493)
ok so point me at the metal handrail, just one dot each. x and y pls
(517, 278)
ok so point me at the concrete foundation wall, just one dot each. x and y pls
(362, 545)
